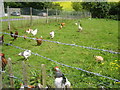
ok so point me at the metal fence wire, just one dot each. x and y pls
(51, 12)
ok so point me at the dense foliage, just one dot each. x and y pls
(99, 9)
(36, 5)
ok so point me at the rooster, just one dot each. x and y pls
(52, 34)
(14, 35)
(4, 61)
(39, 40)
(34, 32)
(1, 39)
(60, 80)
(25, 54)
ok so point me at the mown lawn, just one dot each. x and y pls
(97, 33)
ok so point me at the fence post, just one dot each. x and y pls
(8, 12)
(90, 15)
(10, 73)
(31, 16)
(43, 71)
(24, 75)
(0, 73)
(47, 16)
(56, 15)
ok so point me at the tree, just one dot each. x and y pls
(77, 6)
(35, 5)
(100, 9)
(57, 6)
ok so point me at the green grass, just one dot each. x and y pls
(11, 17)
(97, 33)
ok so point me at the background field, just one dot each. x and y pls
(97, 33)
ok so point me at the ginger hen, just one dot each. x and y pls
(4, 61)
(39, 41)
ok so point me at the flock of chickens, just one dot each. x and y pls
(60, 80)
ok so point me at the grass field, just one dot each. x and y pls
(97, 33)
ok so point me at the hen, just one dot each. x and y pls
(34, 32)
(60, 27)
(52, 34)
(28, 30)
(79, 28)
(99, 58)
(29, 87)
(14, 35)
(4, 61)
(25, 54)
(60, 80)
(62, 24)
(39, 40)
(1, 39)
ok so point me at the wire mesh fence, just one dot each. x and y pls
(31, 16)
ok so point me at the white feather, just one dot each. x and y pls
(76, 23)
(25, 54)
(67, 83)
(58, 83)
(52, 34)
(80, 28)
(34, 32)
(29, 30)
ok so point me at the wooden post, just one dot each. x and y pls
(43, 71)
(56, 15)
(47, 16)
(90, 15)
(10, 73)
(8, 12)
(24, 75)
(0, 73)
(31, 16)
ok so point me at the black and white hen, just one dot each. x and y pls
(60, 80)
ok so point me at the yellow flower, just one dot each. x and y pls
(116, 67)
(112, 63)
(102, 63)
(117, 82)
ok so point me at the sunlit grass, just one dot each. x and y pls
(97, 33)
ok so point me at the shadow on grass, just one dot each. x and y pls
(36, 45)
(21, 59)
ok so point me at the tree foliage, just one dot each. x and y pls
(99, 9)
(35, 5)
(77, 6)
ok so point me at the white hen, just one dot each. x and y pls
(28, 30)
(80, 28)
(34, 32)
(52, 34)
(25, 54)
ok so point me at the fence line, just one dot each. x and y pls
(10, 72)
(113, 52)
(97, 74)
(0, 73)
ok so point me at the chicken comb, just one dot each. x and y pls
(56, 68)
(1, 54)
